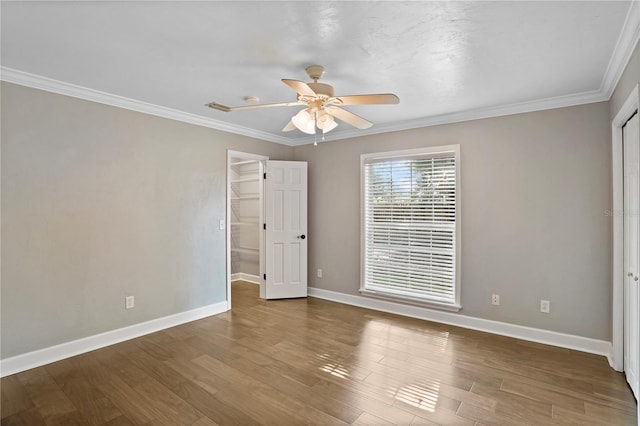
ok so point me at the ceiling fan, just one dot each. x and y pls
(322, 106)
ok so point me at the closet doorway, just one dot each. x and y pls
(245, 201)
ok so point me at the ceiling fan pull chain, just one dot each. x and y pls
(315, 134)
(315, 127)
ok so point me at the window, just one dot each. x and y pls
(410, 225)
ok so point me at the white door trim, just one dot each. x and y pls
(248, 156)
(617, 341)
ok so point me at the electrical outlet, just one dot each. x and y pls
(129, 302)
(545, 306)
(495, 299)
(221, 224)
(319, 273)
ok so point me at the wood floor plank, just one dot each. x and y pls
(14, 397)
(614, 417)
(27, 417)
(45, 393)
(617, 394)
(366, 419)
(362, 397)
(543, 395)
(420, 421)
(311, 361)
(562, 416)
(146, 364)
(119, 392)
(214, 408)
(561, 387)
(92, 405)
(205, 421)
(120, 421)
(169, 407)
(516, 405)
(490, 418)
(228, 406)
(265, 401)
(278, 376)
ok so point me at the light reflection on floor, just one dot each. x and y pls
(332, 367)
(395, 334)
(422, 394)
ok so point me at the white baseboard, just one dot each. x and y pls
(569, 341)
(51, 354)
(241, 276)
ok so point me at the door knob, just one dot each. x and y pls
(302, 237)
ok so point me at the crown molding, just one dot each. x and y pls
(22, 78)
(44, 83)
(475, 114)
(627, 41)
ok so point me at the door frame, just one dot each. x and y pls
(247, 156)
(616, 359)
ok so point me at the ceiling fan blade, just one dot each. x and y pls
(300, 87)
(289, 127)
(225, 108)
(349, 117)
(382, 98)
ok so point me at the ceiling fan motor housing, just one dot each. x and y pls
(315, 71)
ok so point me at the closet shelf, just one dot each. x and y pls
(246, 197)
(240, 163)
(251, 179)
(245, 250)
(244, 223)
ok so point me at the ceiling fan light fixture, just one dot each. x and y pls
(326, 123)
(330, 128)
(304, 122)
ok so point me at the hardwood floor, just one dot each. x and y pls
(310, 361)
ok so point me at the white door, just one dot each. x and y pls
(631, 150)
(286, 230)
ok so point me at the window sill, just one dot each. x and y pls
(444, 306)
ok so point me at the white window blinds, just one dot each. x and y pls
(410, 226)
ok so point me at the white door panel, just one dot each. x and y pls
(631, 147)
(286, 229)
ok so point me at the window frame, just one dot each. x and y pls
(404, 154)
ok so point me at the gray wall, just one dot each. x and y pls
(535, 188)
(629, 79)
(100, 202)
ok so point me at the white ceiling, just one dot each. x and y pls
(447, 61)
